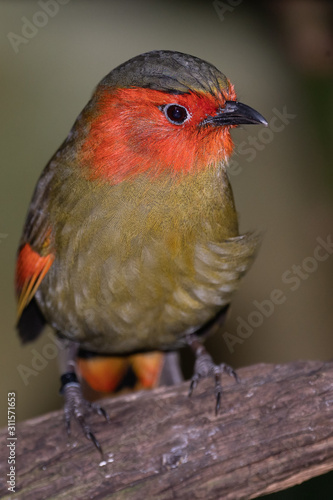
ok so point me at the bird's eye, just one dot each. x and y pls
(176, 114)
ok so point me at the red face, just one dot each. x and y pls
(142, 130)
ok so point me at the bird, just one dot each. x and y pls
(131, 244)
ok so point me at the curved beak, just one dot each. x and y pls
(236, 113)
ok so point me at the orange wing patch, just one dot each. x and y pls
(30, 271)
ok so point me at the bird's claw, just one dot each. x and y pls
(100, 411)
(193, 384)
(76, 407)
(205, 367)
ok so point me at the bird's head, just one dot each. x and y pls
(161, 112)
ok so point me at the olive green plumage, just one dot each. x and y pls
(144, 262)
(154, 264)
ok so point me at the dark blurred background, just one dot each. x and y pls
(279, 55)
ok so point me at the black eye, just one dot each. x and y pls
(176, 114)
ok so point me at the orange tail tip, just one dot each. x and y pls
(105, 373)
(31, 268)
(147, 368)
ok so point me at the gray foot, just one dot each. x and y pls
(77, 408)
(205, 367)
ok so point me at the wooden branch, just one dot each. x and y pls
(274, 431)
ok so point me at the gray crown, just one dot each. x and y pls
(167, 71)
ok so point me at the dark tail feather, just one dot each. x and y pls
(31, 322)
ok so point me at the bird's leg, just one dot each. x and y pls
(171, 372)
(75, 405)
(205, 367)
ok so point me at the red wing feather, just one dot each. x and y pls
(31, 267)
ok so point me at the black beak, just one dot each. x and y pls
(236, 113)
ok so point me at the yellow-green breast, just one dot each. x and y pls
(141, 264)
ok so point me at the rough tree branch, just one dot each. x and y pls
(274, 431)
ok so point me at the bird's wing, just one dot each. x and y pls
(31, 267)
(219, 266)
(34, 259)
